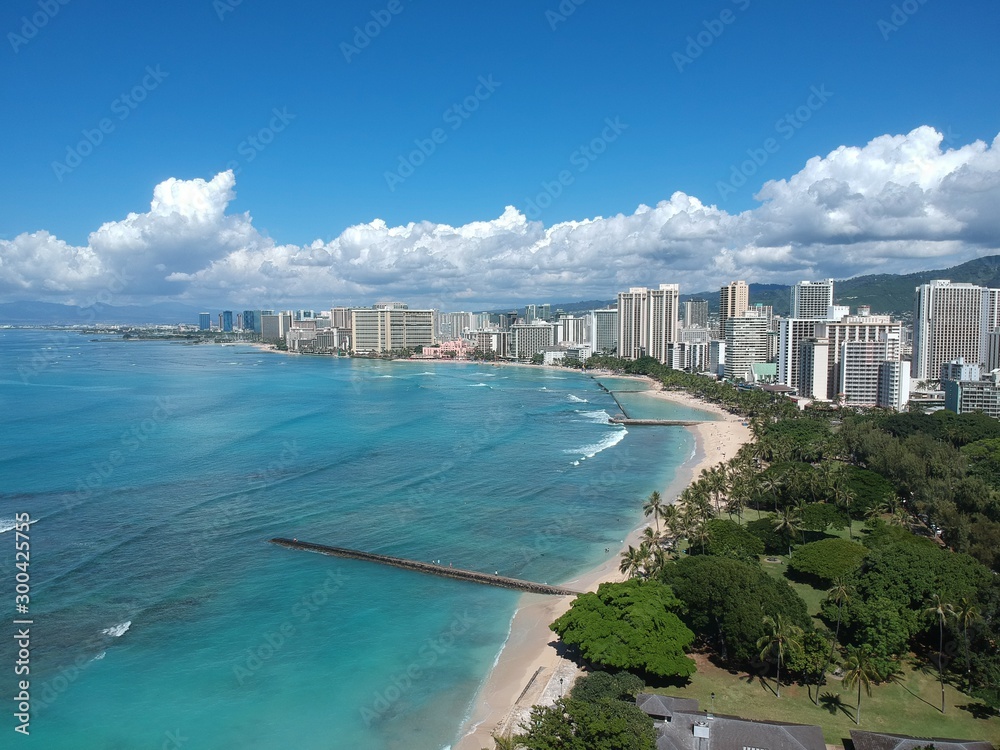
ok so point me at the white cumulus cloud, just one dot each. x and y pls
(899, 203)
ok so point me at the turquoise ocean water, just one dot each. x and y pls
(156, 471)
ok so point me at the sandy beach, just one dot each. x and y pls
(529, 669)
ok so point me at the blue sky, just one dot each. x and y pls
(321, 126)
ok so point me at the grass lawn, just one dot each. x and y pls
(911, 708)
(813, 598)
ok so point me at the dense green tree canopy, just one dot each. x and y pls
(826, 560)
(957, 429)
(579, 725)
(901, 573)
(775, 542)
(631, 625)
(868, 489)
(800, 439)
(600, 686)
(729, 539)
(984, 460)
(818, 517)
(727, 600)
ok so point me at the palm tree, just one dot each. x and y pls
(789, 522)
(899, 518)
(651, 538)
(840, 593)
(632, 561)
(656, 561)
(773, 486)
(737, 502)
(697, 502)
(828, 476)
(702, 535)
(670, 514)
(715, 483)
(843, 496)
(966, 613)
(859, 670)
(780, 639)
(940, 610)
(687, 521)
(506, 741)
(652, 507)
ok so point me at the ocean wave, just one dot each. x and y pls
(9, 524)
(608, 441)
(479, 385)
(577, 399)
(117, 631)
(597, 417)
(100, 656)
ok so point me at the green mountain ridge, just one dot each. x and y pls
(885, 293)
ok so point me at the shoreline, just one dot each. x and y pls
(529, 668)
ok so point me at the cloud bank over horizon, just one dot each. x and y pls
(899, 204)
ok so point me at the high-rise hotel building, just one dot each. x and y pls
(746, 344)
(528, 339)
(811, 300)
(604, 331)
(947, 324)
(734, 300)
(647, 321)
(792, 333)
(385, 328)
(696, 313)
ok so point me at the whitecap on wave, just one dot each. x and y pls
(577, 399)
(597, 417)
(608, 441)
(9, 524)
(479, 385)
(117, 631)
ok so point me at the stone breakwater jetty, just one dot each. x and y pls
(429, 568)
(658, 422)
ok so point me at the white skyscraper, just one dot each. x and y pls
(792, 333)
(989, 354)
(814, 368)
(746, 344)
(604, 330)
(947, 323)
(894, 384)
(811, 299)
(529, 339)
(863, 328)
(574, 329)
